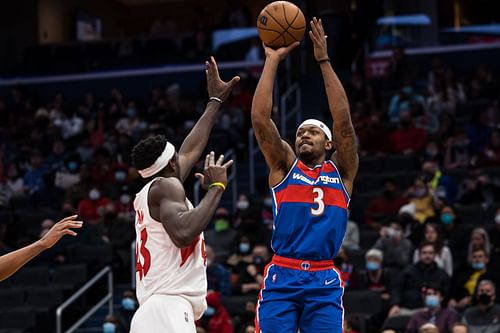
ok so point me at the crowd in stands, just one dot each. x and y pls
(424, 234)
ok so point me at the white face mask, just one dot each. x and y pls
(242, 204)
(94, 194)
(125, 199)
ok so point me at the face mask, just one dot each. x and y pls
(244, 247)
(432, 301)
(242, 204)
(372, 266)
(125, 199)
(221, 225)
(131, 112)
(72, 166)
(120, 176)
(128, 303)
(94, 194)
(484, 299)
(109, 328)
(420, 192)
(268, 202)
(446, 218)
(209, 312)
(497, 219)
(478, 266)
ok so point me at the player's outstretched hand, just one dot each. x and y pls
(216, 87)
(278, 54)
(318, 37)
(60, 229)
(214, 171)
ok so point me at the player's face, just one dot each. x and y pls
(311, 142)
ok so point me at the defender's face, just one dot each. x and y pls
(311, 141)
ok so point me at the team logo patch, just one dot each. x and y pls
(305, 265)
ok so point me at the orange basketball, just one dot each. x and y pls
(281, 23)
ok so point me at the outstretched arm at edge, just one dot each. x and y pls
(278, 154)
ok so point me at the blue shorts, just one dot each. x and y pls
(292, 299)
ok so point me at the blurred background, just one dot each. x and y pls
(81, 82)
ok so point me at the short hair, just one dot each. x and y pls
(147, 151)
(426, 243)
(460, 324)
(491, 283)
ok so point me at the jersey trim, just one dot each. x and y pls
(341, 182)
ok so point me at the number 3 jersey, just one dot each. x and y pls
(161, 267)
(310, 212)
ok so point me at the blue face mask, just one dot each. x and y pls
(209, 312)
(108, 328)
(432, 301)
(446, 218)
(72, 166)
(372, 266)
(478, 266)
(128, 303)
(244, 247)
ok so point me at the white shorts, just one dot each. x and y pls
(164, 314)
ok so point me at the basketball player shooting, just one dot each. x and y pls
(311, 189)
(170, 260)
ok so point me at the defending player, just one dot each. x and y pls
(11, 262)
(310, 190)
(171, 268)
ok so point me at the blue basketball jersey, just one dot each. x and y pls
(310, 212)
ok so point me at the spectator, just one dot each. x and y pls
(127, 309)
(457, 153)
(33, 178)
(406, 293)
(466, 281)
(484, 317)
(385, 206)
(111, 325)
(490, 155)
(243, 253)
(443, 257)
(348, 273)
(428, 328)
(394, 246)
(440, 185)
(250, 276)
(51, 197)
(479, 239)
(91, 209)
(69, 175)
(404, 101)
(433, 313)
(351, 238)
(217, 275)
(14, 184)
(460, 328)
(216, 319)
(222, 238)
(407, 139)
(495, 240)
(420, 195)
(478, 131)
(455, 233)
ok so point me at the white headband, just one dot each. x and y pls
(317, 123)
(160, 162)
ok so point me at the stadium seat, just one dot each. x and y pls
(471, 214)
(32, 276)
(362, 301)
(399, 163)
(368, 238)
(10, 298)
(72, 275)
(397, 323)
(19, 318)
(356, 258)
(44, 298)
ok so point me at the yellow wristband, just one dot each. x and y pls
(221, 185)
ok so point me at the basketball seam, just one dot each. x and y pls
(290, 23)
(279, 23)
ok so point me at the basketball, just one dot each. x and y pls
(281, 23)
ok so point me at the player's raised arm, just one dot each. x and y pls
(278, 154)
(13, 261)
(181, 224)
(344, 137)
(194, 144)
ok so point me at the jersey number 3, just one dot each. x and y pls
(141, 250)
(318, 199)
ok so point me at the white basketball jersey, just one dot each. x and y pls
(161, 267)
